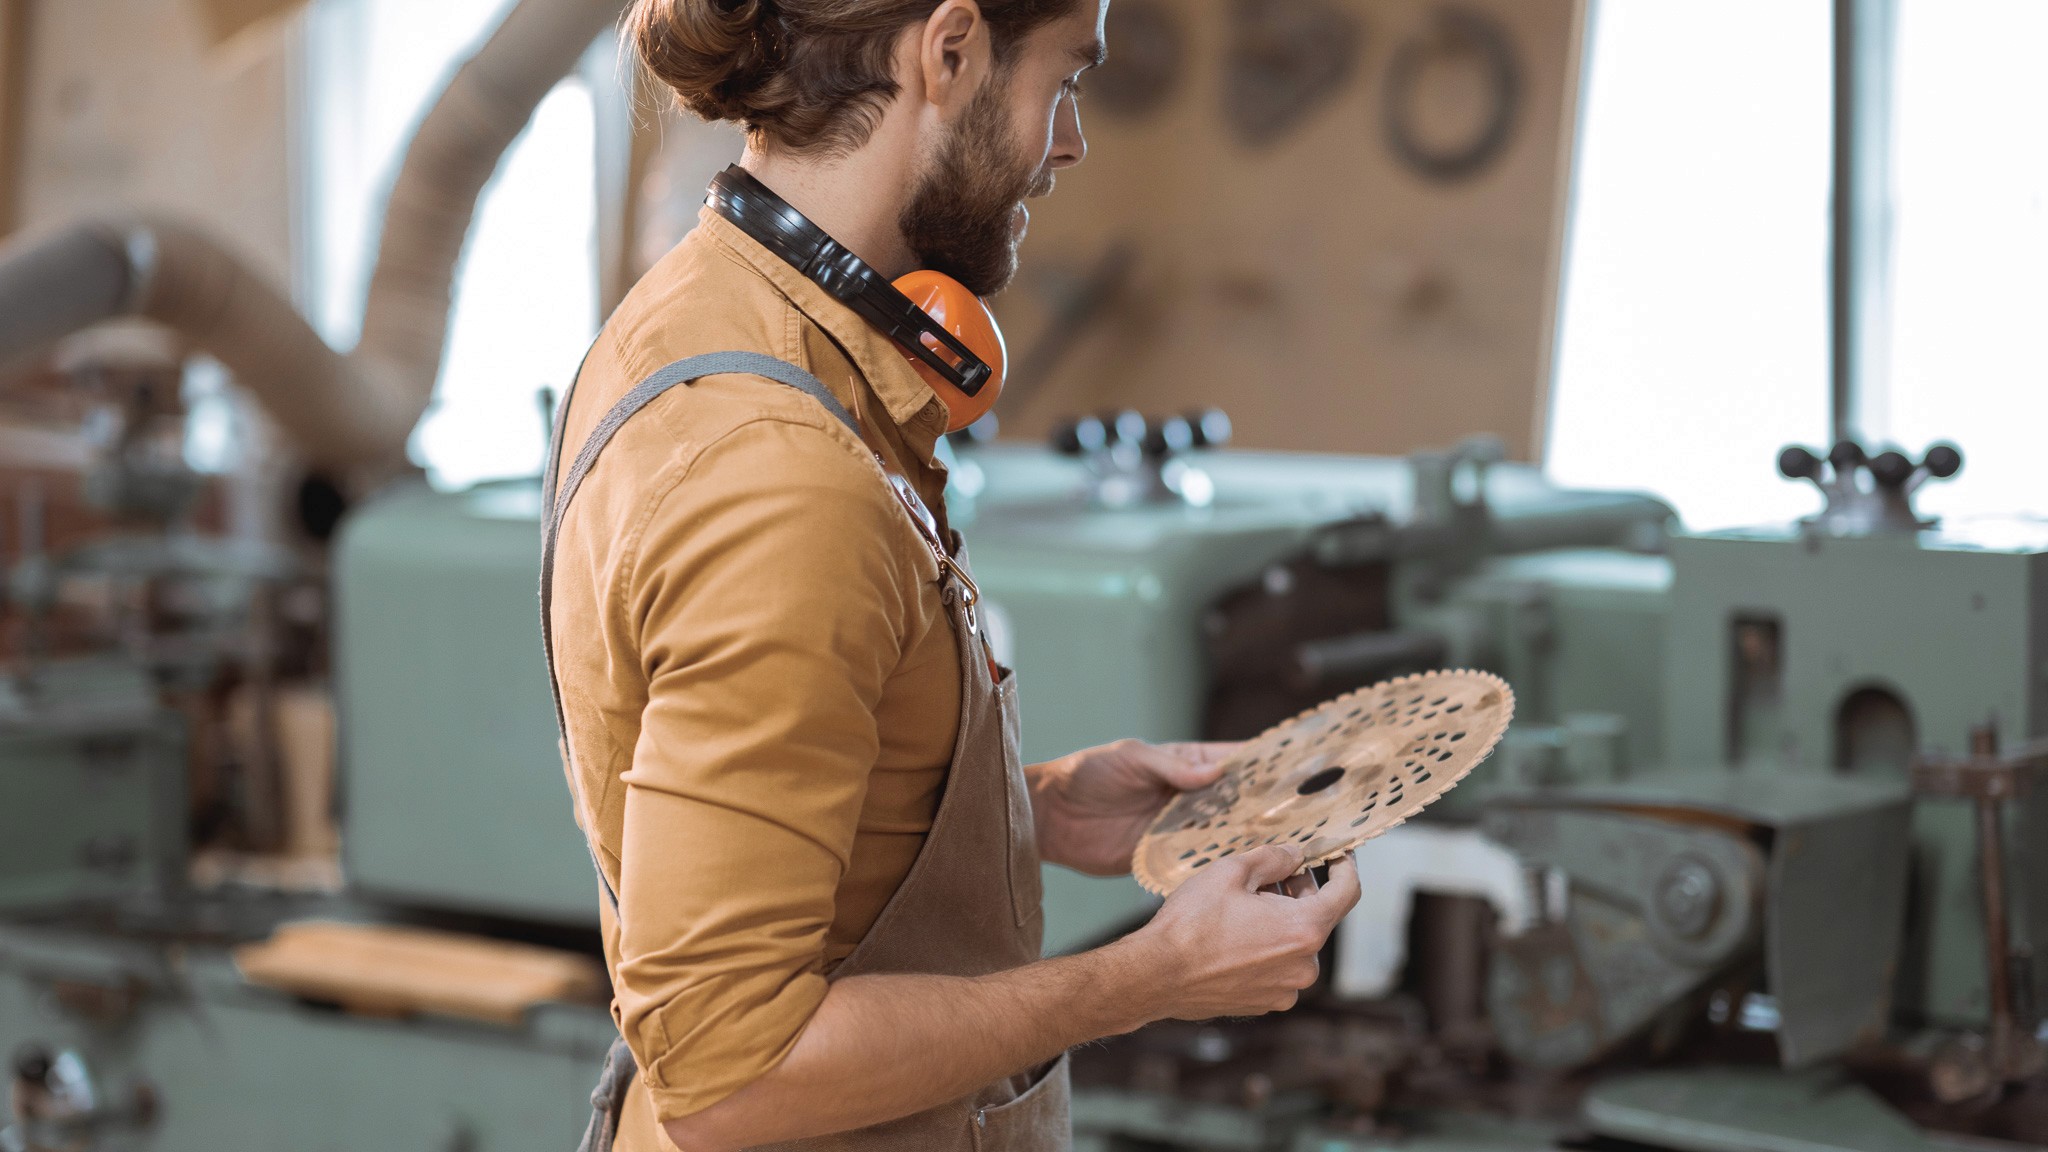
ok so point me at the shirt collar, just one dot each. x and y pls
(909, 401)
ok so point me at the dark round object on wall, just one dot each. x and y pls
(320, 504)
(1145, 61)
(1453, 32)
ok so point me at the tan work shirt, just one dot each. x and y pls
(760, 683)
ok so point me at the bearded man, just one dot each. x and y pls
(789, 749)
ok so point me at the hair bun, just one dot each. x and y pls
(715, 54)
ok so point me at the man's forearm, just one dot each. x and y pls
(881, 1047)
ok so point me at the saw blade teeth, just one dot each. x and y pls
(1291, 783)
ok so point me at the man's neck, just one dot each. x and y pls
(857, 199)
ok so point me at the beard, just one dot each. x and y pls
(961, 219)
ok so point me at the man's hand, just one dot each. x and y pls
(1091, 806)
(883, 1046)
(1224, 944)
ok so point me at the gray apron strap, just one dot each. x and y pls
(608, 1099)
(554, 506)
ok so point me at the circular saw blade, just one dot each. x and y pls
(1333, 777)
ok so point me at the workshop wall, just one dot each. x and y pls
(131, 104)
(1254, 240)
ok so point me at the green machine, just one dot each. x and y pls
(1741, 818)
(1858, 643)
(90, 751)
(1097, 574)
(1772, 796)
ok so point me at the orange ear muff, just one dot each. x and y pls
(960, 312)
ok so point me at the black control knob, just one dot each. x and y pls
(1891, 469)
(1845, 457)
(1796, 463)
(1079, 436)
(33, 1064)
(1211, 427)
(982, 431)
(1127, 425)
(1943, 461)
(1166, 436)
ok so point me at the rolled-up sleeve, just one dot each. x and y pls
(769, 590)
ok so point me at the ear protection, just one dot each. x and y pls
(946, 332)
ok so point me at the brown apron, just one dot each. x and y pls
(970, 903)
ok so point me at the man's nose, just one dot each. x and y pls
(1069, 147)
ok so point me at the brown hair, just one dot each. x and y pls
(808, 74)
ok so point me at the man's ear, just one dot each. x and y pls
(954, 53)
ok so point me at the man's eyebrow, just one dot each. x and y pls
(1092, 54)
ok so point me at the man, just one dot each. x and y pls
(796, 769)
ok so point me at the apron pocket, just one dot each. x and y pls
(1037, 1121)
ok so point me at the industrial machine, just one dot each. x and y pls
(1746, 827)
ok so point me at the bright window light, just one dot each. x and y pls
(1693, 336)
(526, 293)
(1970, 298)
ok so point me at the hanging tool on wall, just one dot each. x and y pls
(1286, 58)
(1453, 35)
(1151, 52)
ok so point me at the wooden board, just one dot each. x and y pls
(384, 970)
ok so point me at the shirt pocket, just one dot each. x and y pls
(1039, 1120)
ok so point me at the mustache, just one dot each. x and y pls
(1041, 184)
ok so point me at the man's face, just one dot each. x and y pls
(967, 215)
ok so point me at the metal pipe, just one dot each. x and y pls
(1860, 272)
(452, 156)
(1997, 940)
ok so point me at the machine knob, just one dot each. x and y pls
(1943, 461)
(1688, 898)
(1845, 457)
(1892, 469)
(33, 1064)
(1128, 425)
(982, 431)
(1796, 463)
(1167, 436)
(1080, 436)
(1211, 427)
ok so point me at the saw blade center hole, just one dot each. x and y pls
(1319, 781)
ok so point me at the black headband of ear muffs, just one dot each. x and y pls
(749, 204)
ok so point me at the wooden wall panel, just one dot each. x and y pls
(130, 105)
(13, 104)
(1325, 295)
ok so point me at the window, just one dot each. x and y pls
(1969, 332)
(1694, 316)
(526, 293)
